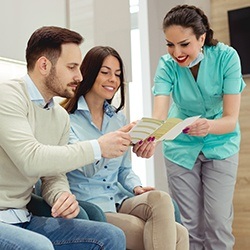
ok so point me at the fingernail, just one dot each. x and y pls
(140, 142)
(149, 138)
(185, 130)
(153, 138)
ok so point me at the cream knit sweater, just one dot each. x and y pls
(34, 144)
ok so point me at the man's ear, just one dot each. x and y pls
(44, 65)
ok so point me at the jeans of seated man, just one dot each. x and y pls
(77, 234)
(13, 237)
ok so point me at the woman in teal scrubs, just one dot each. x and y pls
(202, 77)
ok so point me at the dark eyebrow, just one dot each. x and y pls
(109, 68)
(183, 41)
(73, 64)
(106, 67)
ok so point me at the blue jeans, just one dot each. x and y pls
(12, 237)
(74, 234)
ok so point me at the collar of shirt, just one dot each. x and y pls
(107, 108)
(35, 95)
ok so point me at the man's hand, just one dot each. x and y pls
(140, 190)
(66, 206)
(127, 127)
(114, 144)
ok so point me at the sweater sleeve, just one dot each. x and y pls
(21, 147)
(53, 187)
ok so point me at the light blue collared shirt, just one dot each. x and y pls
(35, 95)
(98, 182)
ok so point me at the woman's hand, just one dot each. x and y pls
(140, 190)
(145, 149)
(201, 127)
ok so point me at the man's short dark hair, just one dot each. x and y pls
(47, 41)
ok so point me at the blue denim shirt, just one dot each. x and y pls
(98, 182)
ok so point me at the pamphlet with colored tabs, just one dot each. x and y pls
(161, 130)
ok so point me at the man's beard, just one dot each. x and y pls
(54, 85)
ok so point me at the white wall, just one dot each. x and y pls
(20, 18)
(103, 23)
(99, 22)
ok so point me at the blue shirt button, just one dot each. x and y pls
(108, 186)
(104, 179)
(111, 198)
(105, 166)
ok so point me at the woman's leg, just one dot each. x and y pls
(186, 188)
(132, 226)
(204, 195)
(14, 237)
(156, 209)
(182, 237)
(77, 234)
(219, 178)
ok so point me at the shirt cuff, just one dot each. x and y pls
(96, 149)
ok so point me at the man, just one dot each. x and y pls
(34, 136)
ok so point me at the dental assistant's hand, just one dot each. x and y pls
(200, 127)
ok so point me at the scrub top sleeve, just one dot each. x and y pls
(233, 83)
(163, 81)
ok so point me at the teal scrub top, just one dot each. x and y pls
(219, 74)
